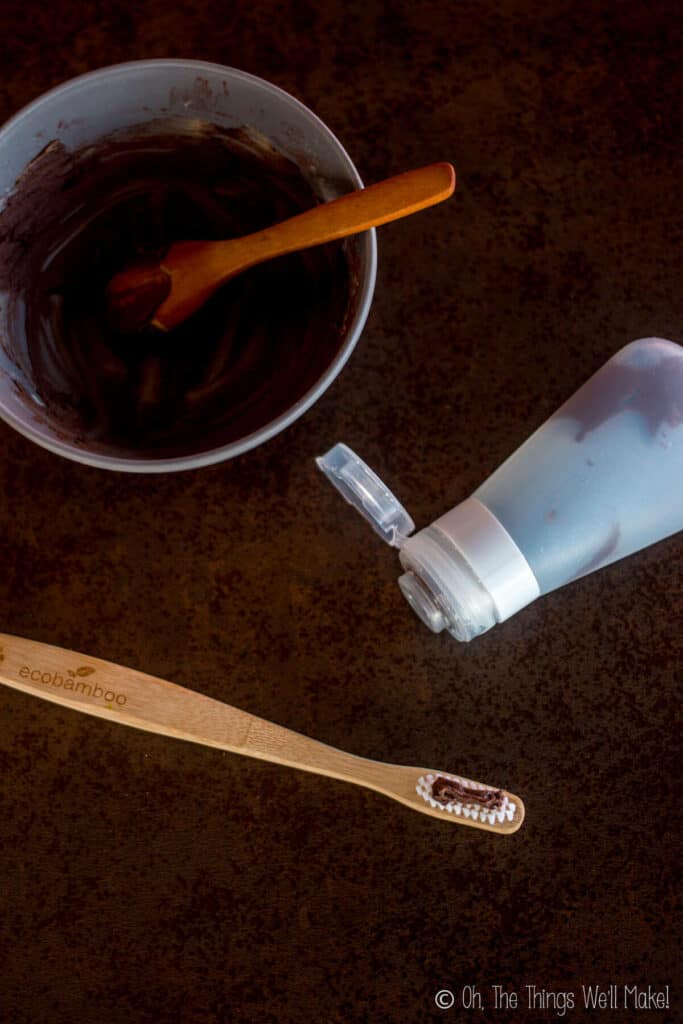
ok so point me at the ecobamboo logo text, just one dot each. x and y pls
(74, 680)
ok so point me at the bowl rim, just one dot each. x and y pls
(131, 464)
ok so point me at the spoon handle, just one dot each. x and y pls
(195, 269)
(164, 295)
(356, 211)
(123, 695)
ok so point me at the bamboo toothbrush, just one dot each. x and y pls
(133, 698)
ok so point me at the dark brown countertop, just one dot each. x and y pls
(145, 879)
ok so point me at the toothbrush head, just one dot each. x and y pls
(455, 795)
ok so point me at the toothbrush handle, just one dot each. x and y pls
(133, 698)
(119, 694)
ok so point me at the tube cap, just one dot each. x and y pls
(363, 489)
(463, 573)
(470, 571)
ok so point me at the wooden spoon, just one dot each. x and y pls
(166, 293)
(122, 695)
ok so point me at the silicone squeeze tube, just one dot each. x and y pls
(599, 480)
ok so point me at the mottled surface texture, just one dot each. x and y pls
(148, 880)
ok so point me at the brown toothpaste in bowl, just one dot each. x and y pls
(115, 167)
(255, 348)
